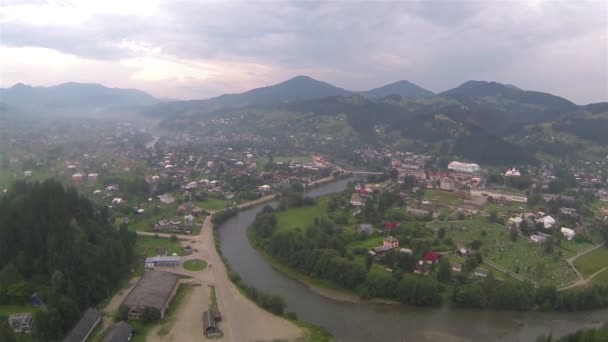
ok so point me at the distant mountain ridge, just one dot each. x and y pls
(73, 97)
(403, 88)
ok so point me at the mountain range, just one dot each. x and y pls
(73, 98)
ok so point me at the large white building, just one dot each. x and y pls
(463, 167)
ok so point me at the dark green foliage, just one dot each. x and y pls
(222, 216)
(150, 315)
(122, 314)
(56, 243)
(6, 333)
(583, 335)
(444, 271)
(589, 129)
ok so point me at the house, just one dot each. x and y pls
(92, 177)
(210, 328)
(481, 272)
(155, 289)
(456, 267)
(447, 184)
(264, 188)
(406, 251)
(538, 239)
(78, 177)
(84, 328)
(117, 200)
(499, 196)
(379, 250)
(423, 267)
(568, 233)
(547, 221)
(366, 229)
(27, 174)
(463, 167)
(196, 211)
(432, 256)
(21, 322)
(462, 252)
(512, 173)
(515, 221)
(390, 242)
(357, 201)
(163, 261)
(120, 332)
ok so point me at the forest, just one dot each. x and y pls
(56, 243)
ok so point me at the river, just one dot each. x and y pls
(382, 322)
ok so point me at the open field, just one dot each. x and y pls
(262, 162)
(211, 204)
(6, 310)
(441, 197)
(520, 256)
(592, 262)
(301, 217)
(571, 248)
(601, 278)
(195, 265)
(152, 216)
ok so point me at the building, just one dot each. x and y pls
(155, 289)
(390, 242)
(366, 229)
(210, 319)
(84, 328)
(92, 177)
(481, 272)
(538, 239)
(120, 332)
(498, 195)
(547, 221)
(568, 233)
(447, 184)
(456, 267)
(163, 261)
(432, 256)
(21, 322)
(512, 173)
(78, 177)
(463, 167)
(27, 174)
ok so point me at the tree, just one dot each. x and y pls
(369, 261)
(476, 245)
(122, 314)
(6, 333)
(444, 271)
(513, 233)
(441, 233)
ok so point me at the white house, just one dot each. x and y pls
(512, 173)
(568, 233)
(547, 221)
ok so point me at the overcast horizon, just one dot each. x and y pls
(197, 50)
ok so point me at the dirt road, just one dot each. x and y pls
(242, 320)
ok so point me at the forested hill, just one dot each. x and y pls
(57, 243)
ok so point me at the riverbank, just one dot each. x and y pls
(320, 287)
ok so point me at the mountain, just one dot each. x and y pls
(500, 108)
(73, 97)
(403, 88)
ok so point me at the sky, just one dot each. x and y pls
(184, 49)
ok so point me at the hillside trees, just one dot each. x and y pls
(56, 243)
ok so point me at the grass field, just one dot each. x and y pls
(211, 204)
(571, 248)
(601, 279)
(195, 265)
(367, 244)
(6, 310)
(521, 256)
(592, 262)
(213, 301)
(441, 197)
(301, 217)
(147, 219)
(148, 246)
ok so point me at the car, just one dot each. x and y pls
(196, 250)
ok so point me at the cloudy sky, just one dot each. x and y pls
(197, 49)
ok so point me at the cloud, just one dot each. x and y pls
(207, 48)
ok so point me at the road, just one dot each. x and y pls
(242, 320)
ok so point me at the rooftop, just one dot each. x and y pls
(153, 289)
(82, 329)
